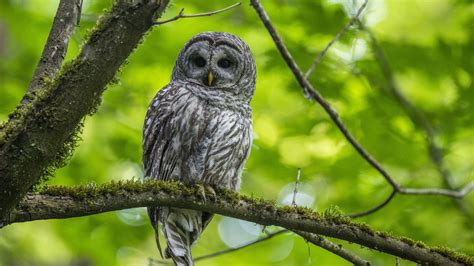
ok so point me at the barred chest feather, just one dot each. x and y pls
(208, 140)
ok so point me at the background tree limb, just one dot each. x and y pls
(311, 93)
(66, 19)
(65, 202)
(416, 116)
(333, 248)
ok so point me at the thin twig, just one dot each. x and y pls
(458, 194)
(182, 15)
(321, 54)
(416, 116)
(230, 250)
(297, 182)
(333, 248)
(250, 243)
(376, 208)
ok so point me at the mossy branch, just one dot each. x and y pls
(58, 202)
(41, 133)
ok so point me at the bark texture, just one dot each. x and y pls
(65, 21)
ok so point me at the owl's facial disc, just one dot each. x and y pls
(215, 66)
(226, 65)
(196, 63)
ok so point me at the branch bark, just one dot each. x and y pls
(65, 21)
(333, 248)
(63, 202)
(40, 135)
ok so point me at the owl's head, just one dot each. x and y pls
(217, 61)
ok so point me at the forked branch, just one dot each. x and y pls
(311, 93)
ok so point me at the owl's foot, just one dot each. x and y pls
(210, 190)
(206, 190)
(202, 192)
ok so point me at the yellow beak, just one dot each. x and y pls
(210, 78)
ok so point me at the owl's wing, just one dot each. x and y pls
(159, 158)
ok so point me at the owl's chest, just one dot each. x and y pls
(194, 119)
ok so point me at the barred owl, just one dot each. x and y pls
(198, 130)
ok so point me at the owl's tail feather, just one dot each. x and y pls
(157, 239)
(153, 213)
(181, 228)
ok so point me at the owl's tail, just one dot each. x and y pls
(181, 229)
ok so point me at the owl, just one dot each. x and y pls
(198, 130)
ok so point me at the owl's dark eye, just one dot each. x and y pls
(199, 61)
(224, 63)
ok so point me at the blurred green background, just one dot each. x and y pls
(429, 44)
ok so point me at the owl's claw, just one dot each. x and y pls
(206, 189)
(202, 192)
(210, 190)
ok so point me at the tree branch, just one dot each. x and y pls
(376, 208)
(333, 248)
(415, 115)
(40, 135)
(458, 194)
(182, 15)
(311, 93)
(251, 243)
(65, 21)
(64, 202)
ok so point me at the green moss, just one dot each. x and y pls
(93, 33)
(37, 109)
(458, 257)
(92, 190)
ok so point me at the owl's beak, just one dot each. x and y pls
(210, 78)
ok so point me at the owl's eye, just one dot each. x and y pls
(199, 61)
(224, 63)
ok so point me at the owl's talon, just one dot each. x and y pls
(210, 190)
(202, 192)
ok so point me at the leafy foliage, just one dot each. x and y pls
(428, 44)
